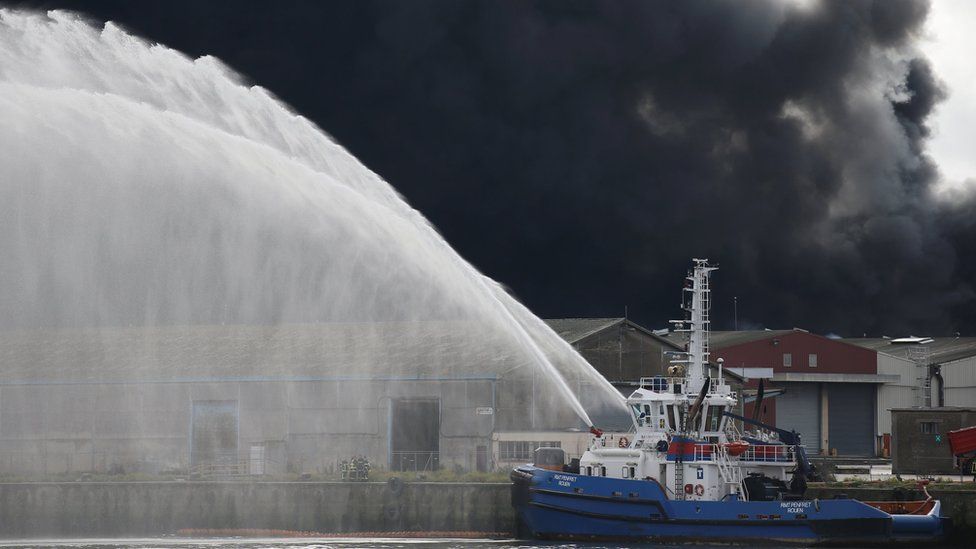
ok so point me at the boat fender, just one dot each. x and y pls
(662, 446)
(816, 504)
(395, 484)
(699, 490)
(689, 489)
(623, 442)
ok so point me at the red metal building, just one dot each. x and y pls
(829, 387)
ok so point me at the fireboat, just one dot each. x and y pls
(692, 470)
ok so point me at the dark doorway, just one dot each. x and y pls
(415, 435)
(850, 418)
(481, 458)
(213, 435)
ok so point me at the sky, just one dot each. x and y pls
(949, 38)
(581, 153)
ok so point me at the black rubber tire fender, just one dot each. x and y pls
(395, 484)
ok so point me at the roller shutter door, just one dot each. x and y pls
(798, 409)
(850, 418)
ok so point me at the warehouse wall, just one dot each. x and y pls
(960, 382)
(622, 353)
(306, 426)
(899, 394)
(832, 356)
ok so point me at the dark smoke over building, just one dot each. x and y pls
(580, 152)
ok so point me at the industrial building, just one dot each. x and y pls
(828, 388)
(919, 441)
(936, 371)
(839, 393)
(260, 399)
(276, 399)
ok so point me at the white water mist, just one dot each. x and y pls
(139, 187)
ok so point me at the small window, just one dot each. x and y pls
(625, 472)
(603, 471)
(506, 449)
(632, 471)
(813, 361)
(929, 427)
(787, 360)
(522, 449)
(589, 471)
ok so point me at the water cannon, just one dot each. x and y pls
(596, 432)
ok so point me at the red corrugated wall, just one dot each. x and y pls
(833, 357)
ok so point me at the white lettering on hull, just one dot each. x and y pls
(564, 480)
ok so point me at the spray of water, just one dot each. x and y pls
(140, 188)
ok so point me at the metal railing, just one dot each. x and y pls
(660, 383)
(767, 453)
(760, 453)
(222, 469)
(415, 461)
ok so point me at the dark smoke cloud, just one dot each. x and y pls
(583, 152)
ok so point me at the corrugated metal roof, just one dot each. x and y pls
(941, 349)
(576, 329)
(721, 340)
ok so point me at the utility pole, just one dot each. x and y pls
(735, 313)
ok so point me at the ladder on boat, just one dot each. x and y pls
(679, 477)
(730, 472)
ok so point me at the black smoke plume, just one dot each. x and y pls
(583, 152)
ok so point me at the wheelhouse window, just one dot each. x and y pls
(674, 417)
(713, 418)
(643, 415)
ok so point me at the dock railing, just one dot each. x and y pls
(223, 469)
(415, 461)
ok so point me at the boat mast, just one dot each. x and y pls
(697, 324)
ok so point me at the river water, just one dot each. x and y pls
(309, 543)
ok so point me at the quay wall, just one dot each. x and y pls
(136, 509)
(133, 509)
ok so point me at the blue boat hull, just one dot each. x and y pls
(565, 506)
